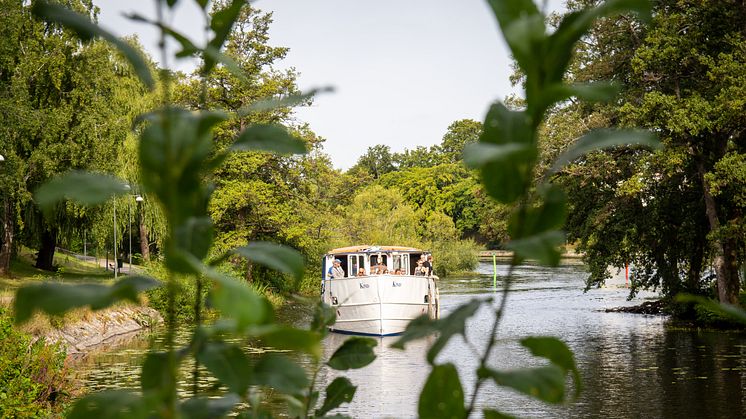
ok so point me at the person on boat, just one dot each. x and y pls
(379, 269)
(427, 265)
(336, 271)
(361, 272)
(397, 271)
(430, 264)
(420, 270)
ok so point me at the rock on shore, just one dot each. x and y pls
(103, 328)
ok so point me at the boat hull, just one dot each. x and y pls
(380, 305)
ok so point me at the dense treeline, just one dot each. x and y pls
(68, 105)
(676, 215)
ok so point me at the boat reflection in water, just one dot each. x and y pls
(378, 290)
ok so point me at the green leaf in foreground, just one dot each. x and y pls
(290, 338)
(82, 187)
(494, 414)
(193, 236)
(453, 324)
(477, 155)
(280, 373)
(268, 137)
(87, 30)
(442, 396)
(557, 353)
(56, 299)
(550, 214)
(111, 404)
(323, 316)
(286, 101)
(214, 55)
(602, 139)
(274, 256)
(506, 179)
(238, 301)
(544, 383)
(591, 92)
(188, 48)
(339, 391)
(203, 408)
(356, 352)
(228, 363)
(418, 328)
(221, 23)
(541, 247)
(156, 374)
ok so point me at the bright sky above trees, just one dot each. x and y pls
(403, 71)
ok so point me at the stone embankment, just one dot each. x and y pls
(103, 328)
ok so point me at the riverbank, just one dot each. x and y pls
(102, 329)
(82, 330)
(507, 254)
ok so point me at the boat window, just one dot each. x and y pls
(374, 259)
(402, 262)
(355, 262)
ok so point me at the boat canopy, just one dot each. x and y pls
(364, 260)
(374, 249)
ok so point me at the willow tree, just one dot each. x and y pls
(60, 103)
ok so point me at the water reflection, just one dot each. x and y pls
(632, 365)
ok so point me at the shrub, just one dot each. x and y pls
(185, 295)
(34, 380)
(454, 256)
(187, 291)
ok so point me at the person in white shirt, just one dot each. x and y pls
(336, 270)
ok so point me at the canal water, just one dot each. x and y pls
(632, 366)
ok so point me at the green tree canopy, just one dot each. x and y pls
(684, 78)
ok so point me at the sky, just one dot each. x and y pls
(402, 70)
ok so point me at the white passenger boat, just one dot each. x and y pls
(380, 289)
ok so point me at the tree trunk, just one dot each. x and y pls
(45, 259)
(725, 263)
(7, 245)
(694, 276)
(249, 272)
(144, 244)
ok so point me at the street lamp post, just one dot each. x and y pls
(116, 256)
(139, 199)
(116, 260)
(129, 230)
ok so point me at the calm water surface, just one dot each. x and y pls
(633, 366)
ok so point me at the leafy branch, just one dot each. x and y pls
(177, 158)
(506, 156)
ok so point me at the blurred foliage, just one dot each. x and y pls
(35, 379)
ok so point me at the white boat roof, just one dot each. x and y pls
(373, 249)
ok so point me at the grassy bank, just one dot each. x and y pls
(70, 270)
